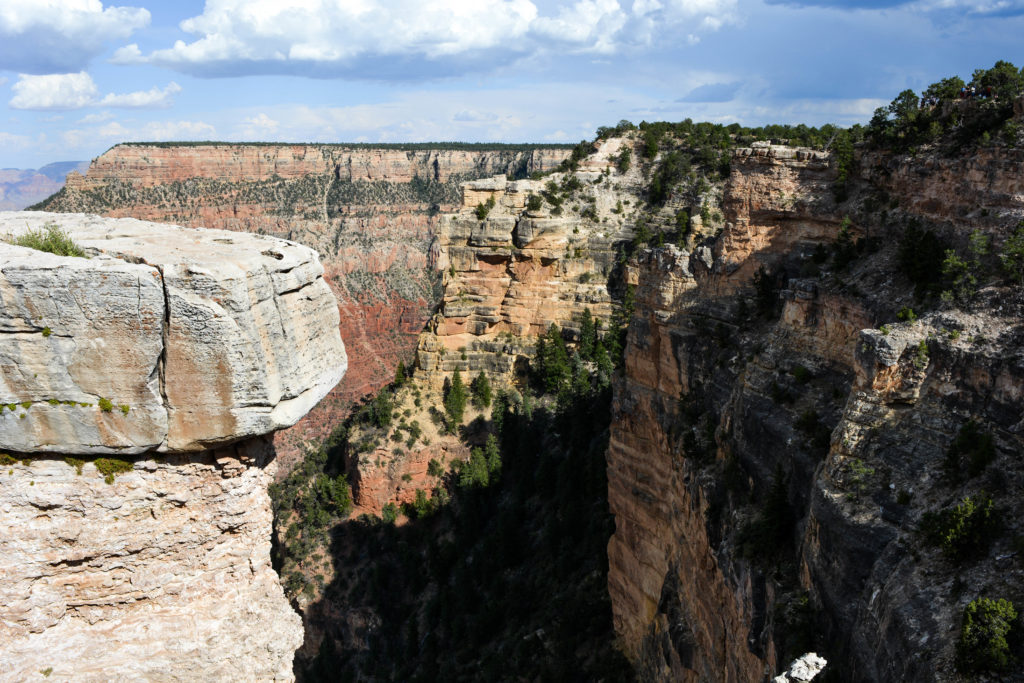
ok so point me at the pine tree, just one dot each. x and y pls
(588, 335)
(455, 401)
(400, 374)
(481, 389)
(554, 363)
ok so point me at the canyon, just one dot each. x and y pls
(785, 431)
(370, 212)
(140, 383)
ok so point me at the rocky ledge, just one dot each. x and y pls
(177, 351)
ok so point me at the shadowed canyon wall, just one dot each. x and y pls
(774, 458)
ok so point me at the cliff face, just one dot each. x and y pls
(506, 278)
(177, 351)
(771, 460)
(370, 213)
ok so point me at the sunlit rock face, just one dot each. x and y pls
(140, 386)
(370, 213)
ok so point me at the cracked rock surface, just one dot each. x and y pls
(195, 337)
(178, 351)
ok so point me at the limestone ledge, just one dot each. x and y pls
(166, 339)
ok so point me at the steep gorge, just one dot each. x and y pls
(783, 430)
(774, 460)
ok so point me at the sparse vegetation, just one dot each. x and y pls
(985, 634)
(110, 467)
(963, 532)
(50, 238)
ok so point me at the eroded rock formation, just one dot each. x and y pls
(178, 351)
(370, 213)
(772, 460)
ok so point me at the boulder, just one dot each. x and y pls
(164, 338)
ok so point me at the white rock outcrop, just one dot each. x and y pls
(177, 351)
(196, 338)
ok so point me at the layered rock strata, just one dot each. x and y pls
(756, 393)
(178, 351)
(370, 213)
(507, 277)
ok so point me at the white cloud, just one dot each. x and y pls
(259, 127)
(153, 131)
(279, 32)
(52, 36)
(593, 23)
(57, 91)
(149, 99)
(77, 90)
(409, 39)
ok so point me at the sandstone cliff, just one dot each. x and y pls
(177, 351)
(774, 460)
(369, 212)
(507, 276)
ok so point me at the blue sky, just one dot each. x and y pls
(77, 76)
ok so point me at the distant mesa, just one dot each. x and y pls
(21, 188)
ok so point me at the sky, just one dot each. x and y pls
(78, 76)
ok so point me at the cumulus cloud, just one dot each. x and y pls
(54, 36)
(591, 23)
(148, 99)
(57, 91)
(405, 39)
(77, 90)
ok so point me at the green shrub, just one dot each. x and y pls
(906, 314)
(534, 202)
(963, 532)
(109, 467)
(624, 160)
(962, 273)
(47, 331)
(984, 633)
(857, 476)
(921, 355)
(106, 405)
(389, 513)
(1012, 255)
(484, 208)
(76, 463)
(434, 468)
(50, 238)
